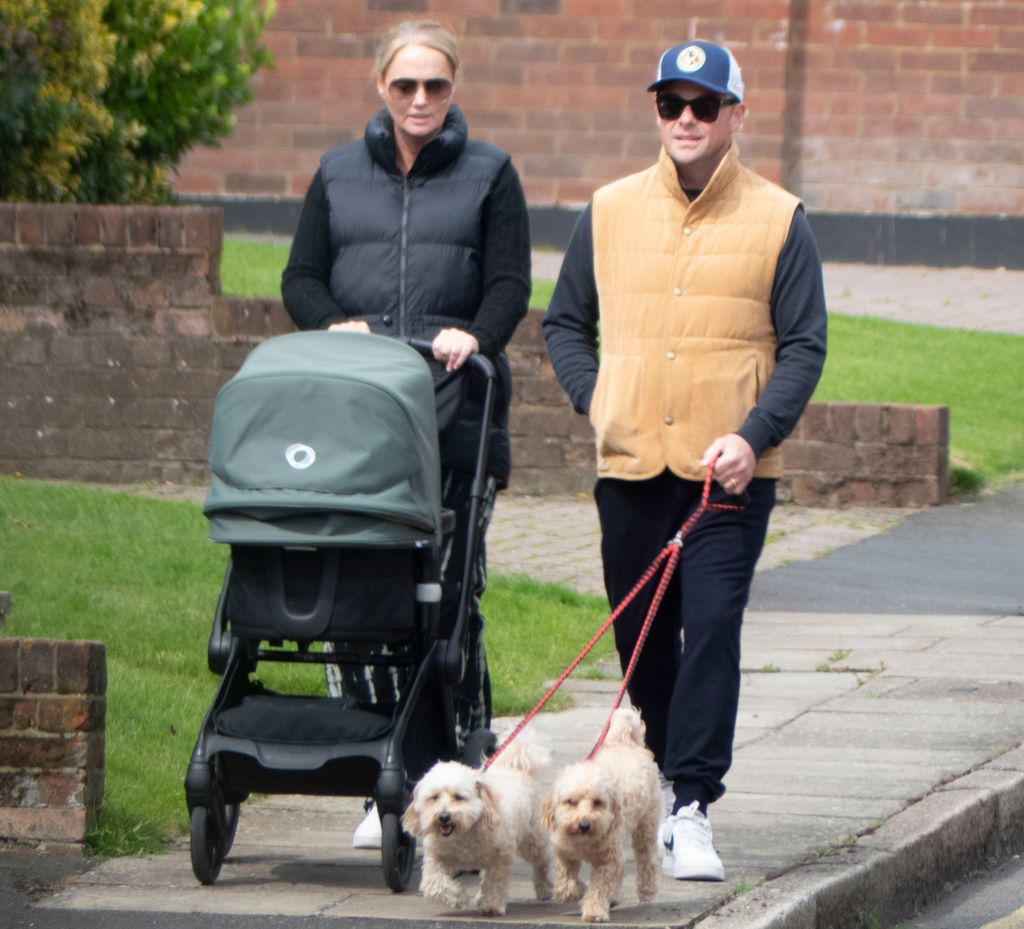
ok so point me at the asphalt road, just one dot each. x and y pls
(963, 558)
(994, 900)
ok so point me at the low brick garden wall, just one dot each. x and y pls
(115, 340)
(52, 724)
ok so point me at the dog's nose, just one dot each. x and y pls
(584, 826)
(445, 817)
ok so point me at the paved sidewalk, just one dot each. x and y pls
(877, 757)
(557, 538)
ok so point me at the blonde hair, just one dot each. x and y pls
(415, 32)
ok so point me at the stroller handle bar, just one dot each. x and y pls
(476, 360)
(451, 654)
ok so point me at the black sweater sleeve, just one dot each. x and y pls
(506, 263)
(305, 283)
(570, 324)
(799, 318)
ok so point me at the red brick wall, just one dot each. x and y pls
(857, 105)
(914, 106)
(114, 351)
(52, 723)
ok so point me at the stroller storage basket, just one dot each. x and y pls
(322, 593)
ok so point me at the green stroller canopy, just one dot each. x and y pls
(326, 438)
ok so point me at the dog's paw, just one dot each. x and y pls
(447, 893)
(594, 915)
(488, 907)
(569, 891)
(451, 900)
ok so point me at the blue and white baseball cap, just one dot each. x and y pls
(703, 63)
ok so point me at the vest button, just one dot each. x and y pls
(671, 356)
(668, 420)
(677, 291)
(387, 319)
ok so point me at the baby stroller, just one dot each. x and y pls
(326, 485)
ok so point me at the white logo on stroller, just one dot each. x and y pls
(299, 456)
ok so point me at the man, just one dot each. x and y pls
(707, 284)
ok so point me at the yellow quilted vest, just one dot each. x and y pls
(687, 343)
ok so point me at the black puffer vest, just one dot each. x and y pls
(408, 251)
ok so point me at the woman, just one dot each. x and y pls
(417, 231)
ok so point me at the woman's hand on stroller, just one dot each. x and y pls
(350, 325)
(452, 347)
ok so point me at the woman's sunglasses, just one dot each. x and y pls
(436, 88)
(705, 109)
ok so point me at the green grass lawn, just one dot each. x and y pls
(976, 374)
(253, 269)
(139, 575)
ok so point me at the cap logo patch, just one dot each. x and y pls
(691, 59)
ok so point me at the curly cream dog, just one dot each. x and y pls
(475, 820)
(592, 808)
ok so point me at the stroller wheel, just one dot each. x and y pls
(397, 851)
(480, 745)
(209, 845)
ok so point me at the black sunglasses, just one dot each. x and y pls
(436, 88)
(705, 109)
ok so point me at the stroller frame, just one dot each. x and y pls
(384, 762)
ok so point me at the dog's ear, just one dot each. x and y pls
(615, 804)
(491, 816)
(547, 812)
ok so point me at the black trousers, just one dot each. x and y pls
(687, 680)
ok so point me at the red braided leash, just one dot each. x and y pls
(669, 553)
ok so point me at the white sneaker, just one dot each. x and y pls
(688, 854)
(368, 832)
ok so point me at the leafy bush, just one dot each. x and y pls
(54, 57)
(100, 98)
(181, 67)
